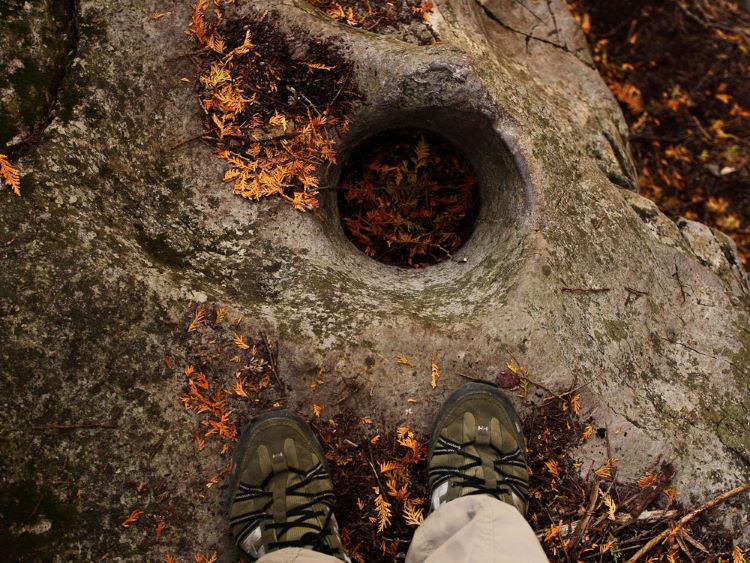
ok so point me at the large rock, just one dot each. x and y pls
(569, 271)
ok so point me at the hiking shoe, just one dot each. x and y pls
(281, 492)
(477, 447)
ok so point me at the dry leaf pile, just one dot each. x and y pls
(380, 481)
(376, 16)
(679, 70)
(408, 198)
(273, 116)
(584, 513)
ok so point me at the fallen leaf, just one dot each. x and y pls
(198, 319)
(507, 379)
(158, 15)
(9, 175)
(132, 518)
(435, 372)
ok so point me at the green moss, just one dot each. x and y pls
(734, 430)
(616, 330)
(741, 359)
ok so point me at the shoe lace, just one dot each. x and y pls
(305, 515)
(463, 475)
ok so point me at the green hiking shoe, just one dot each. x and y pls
(281, 492)
(477, 447)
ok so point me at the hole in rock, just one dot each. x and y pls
(408, 197)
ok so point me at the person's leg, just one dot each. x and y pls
(476, 529)
(478, 483)
(281, 493)
(297, 555)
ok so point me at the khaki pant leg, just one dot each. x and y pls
(475, 529)
(297, 555)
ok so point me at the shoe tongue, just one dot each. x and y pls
(481, 432)
(286, 503)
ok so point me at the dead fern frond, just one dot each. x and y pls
(413, 516)
(435, 372)
(239, 341)
(383, 510)
(386, 466)
(610, 504)
(9, 175)
(198, 319)
(605, 471)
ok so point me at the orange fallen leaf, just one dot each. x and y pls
(159, 529)
(215, 479)
(198, 319)
(132, 518)
(9, 175)
(240, 342)
(403, 360)
(435, 372)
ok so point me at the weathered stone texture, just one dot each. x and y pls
(118, 234)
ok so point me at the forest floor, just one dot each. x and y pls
(580, 513)
(681, 72)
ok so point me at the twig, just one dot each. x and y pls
(633, 295)
(543, 388)
(530, 37)
(186, 141)
(343, 85)
(622, 519)
(585, 290)
(676, 276)
(586, 520)
(82, 425)
(375, 471)
(271, 360)
(671, 532)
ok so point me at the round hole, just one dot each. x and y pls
(408, 197)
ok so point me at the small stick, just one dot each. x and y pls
(623, 519)
(634, 295)
(186, 141)
(375, 472)
(676, 276)
(586, 520)
(585, 290)
(686, 519)
(271, 360)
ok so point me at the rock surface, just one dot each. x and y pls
(120, 234)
